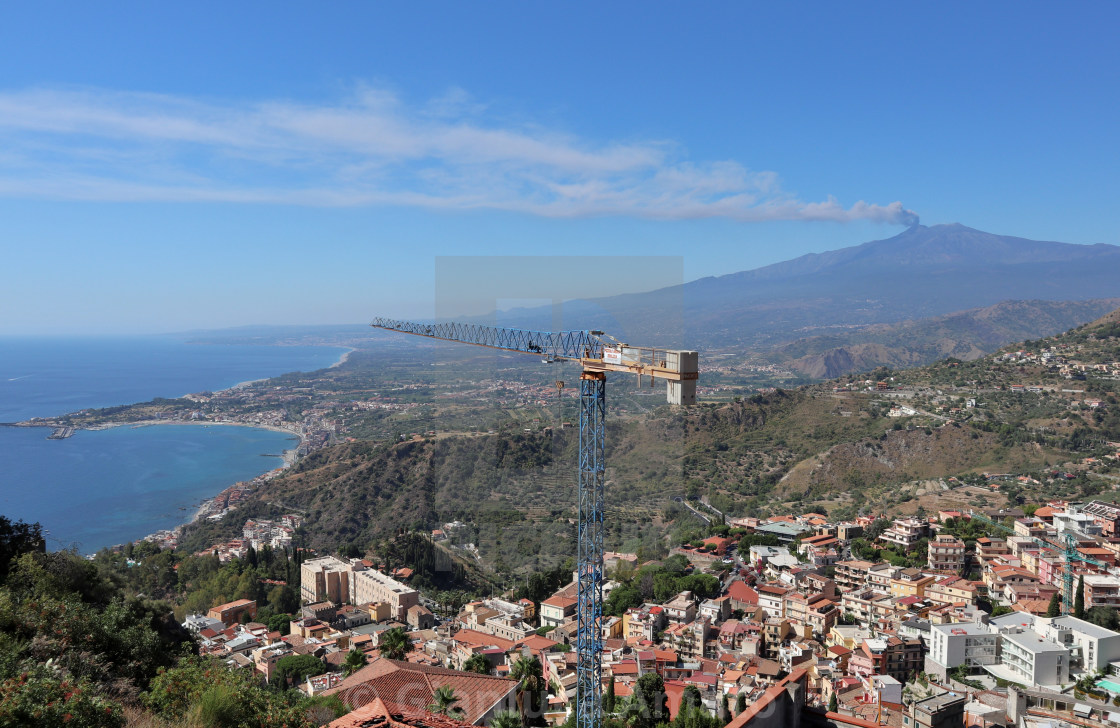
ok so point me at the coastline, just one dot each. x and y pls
(305, 435)
(289, 456)
(345, 357)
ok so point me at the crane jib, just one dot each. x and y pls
(550, 344)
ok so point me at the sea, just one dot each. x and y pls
(106, 487)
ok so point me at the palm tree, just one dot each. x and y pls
(355, 660)
(444, 701)
(506, 719)
(394, 644)
(477, 663)
(530, 679)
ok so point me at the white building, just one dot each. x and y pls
(964, 643)
(1022, 648)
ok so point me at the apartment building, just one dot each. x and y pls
(770, 598)
(910, 583)
(644, 621)
(938, 711)
(1091, 647)
(681, 608)
(879, 577)
(851, 575)
(905, 532)
(946, 553)
(965, 643)
(991, 548)
(325, 579)
(951, 590)
(687, 639)
(371, 585)
(1105, 515)
(816, 612)
(901, 659)
(1102, 590)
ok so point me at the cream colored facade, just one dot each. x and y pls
(371, 585)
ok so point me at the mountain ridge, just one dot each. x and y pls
(921, 273)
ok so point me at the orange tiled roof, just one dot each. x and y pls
(379, 714)
(416, 684)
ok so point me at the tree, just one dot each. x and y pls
(355, 660)
(690, 698)
(296, 667)
(443, 702)
(609, 698)
(1103, 617)
(506, 719)
(529, 675)
(833, 704)
(1055, 607)
(740, 702)
(477, 663)
(17, 539)
(1079, 598)
(394, 643)
(650, 701)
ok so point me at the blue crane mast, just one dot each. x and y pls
(597, 353)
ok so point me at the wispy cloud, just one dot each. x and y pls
(370, 149)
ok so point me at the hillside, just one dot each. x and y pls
(842, 446)
(964, 335)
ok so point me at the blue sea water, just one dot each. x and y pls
(107, 487)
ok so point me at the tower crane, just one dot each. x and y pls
(1069, 552)
(596, 353)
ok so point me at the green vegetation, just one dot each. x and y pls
(659, 583)
(202, 692)
(394, 643)
(79, 647)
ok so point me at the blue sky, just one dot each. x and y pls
(220, 164)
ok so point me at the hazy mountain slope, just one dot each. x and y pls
(965, 335)
(922, 272)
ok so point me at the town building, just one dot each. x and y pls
(242, 610)
(905, 532)
(946, 553)
(370, 586)
(325, 579)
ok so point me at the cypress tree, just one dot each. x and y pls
(1079, 598)
(608, 701)
(833, 704)
(1055, 607)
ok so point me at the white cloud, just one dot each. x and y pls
(369, 149)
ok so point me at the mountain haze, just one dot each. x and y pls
(921, 273)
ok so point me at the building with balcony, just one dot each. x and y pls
(905, 532)
(1102, 590)
(965, 643)
(946, 553)
(990, 548)
(910, 583)
(851, 575)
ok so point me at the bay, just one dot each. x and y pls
(100, 488)
(105, 487)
